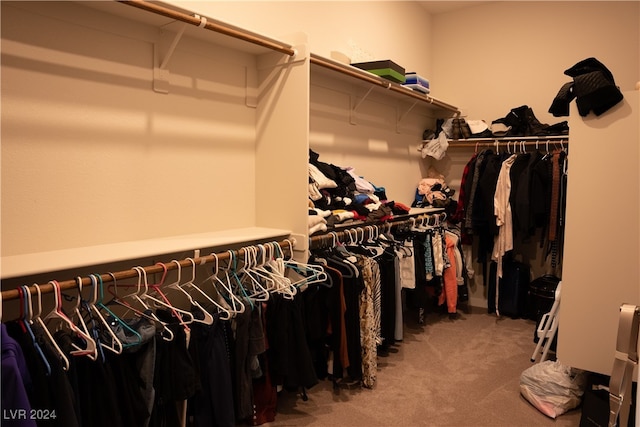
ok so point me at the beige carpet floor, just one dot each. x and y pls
(463, 372)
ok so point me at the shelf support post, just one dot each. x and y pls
(352, 112)
(402, 116)
(160, 62)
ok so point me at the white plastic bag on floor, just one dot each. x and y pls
(552, 387)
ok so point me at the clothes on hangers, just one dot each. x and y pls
(490, 196)
(335, 327)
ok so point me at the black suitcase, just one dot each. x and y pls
(542, 294)
(513, 288)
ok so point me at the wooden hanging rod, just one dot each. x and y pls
(516, 141)
(209, 25)
(379, 81)
(13, 294)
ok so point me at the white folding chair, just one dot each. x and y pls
(547, 328)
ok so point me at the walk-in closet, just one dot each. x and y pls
(210, 217)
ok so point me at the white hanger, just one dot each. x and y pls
(260, 292)
(236, 305)
(312, 273)
(275, 269)
(146, 312)
(101, 306)
(57, 314)
(226, 314)
(167, 333)
(208, 318)
(184, 316)
(83, 325)
(231, 274)
(116, 345)
(61, 355)
(26, 318)
(261, 272)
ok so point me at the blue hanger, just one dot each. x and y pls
(27, 307)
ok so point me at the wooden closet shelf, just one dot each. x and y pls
(64, 259)
(375, 80)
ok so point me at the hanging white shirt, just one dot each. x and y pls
(503, 242)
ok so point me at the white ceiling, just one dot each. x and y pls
(435, 7)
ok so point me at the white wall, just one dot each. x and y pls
(485, 58)
(362, 30)
(493, 57)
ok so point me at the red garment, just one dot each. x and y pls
(461, 213)
(402, 206)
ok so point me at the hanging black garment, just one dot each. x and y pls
(289, 357)
(526, 200)
(386, 262)
(243, 390)
(417, 298)
(175, 378)
(317, 309)
(353, 287)
(336, 338)
(471, 189)
(102, 402)
(265, 393)
(213, 403)
(483, 216)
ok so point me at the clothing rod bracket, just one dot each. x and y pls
(356, 104)
(402, 116)
(162, 52)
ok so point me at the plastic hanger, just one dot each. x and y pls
(101, 306)
(311, 273)
(88, 325)
(115, 344)
(231, 273)
(57, 313)
(371, 244)
(167, 334)
(184, 317)
(26, 316)
(275, 269)
(279, 265)
(190, 285)
(236, 306)
(260, 271)
(208, 317)
(37, 319)
(82, 324)
(146, 312)
(248, 277)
